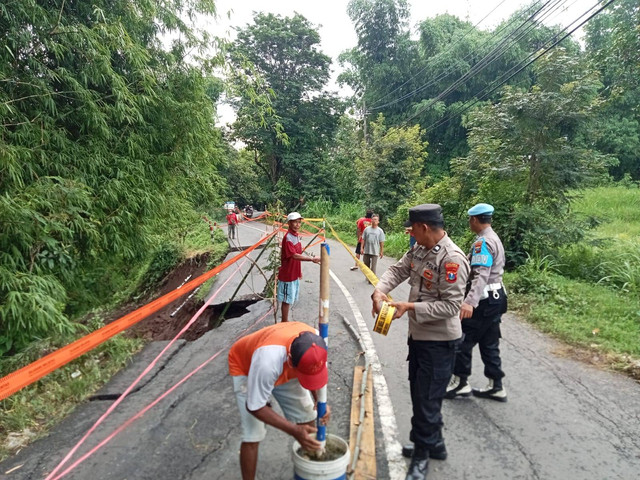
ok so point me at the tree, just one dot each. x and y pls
(390, 165)
(283, 53)
(106, 140)
(613, 46)
(384, 55)
(531, 148)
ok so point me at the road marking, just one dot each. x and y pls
(393, 449)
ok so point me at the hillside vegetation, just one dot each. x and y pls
(111, 156)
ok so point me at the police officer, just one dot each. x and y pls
(437, 271)
(482, 309)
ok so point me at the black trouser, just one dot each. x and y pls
(483, 330)
(430, 365)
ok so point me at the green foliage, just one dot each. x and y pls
(613, 46)
(391, 165)
(527, 153)
(579, 313)
(289, 68)
(613, 209)
(162, 262)
(342, 216)
(43, 404)
(623, 271)
(536, 276)
(396, 244)
(106, 141)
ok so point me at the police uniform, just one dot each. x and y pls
(487, 296)
(437, 277)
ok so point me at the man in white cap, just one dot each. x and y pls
(290, 271)
(482, 309)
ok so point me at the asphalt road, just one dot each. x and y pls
(564, 419)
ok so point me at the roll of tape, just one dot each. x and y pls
(384, 319)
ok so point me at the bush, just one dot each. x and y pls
(164, 259)
(536, 276)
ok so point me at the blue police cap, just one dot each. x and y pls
(481, 209)
(425, 213)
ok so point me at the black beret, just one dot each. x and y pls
(425, 213)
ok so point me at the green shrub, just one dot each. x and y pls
(623, 272)
(536, 276)
(164, 259)
(396, 244)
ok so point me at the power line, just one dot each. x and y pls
(446, 73)
(492, 56)
(469, 30)
(536, 57)
(500, 47)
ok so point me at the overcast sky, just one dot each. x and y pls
(336, 29)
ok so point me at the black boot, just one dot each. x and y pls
(438, 451)
(494, 391)
(419, 465)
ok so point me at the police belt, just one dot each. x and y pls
(493, 288)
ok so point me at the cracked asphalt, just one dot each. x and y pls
(564, 419)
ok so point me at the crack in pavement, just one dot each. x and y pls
(220, 444)
(513, 439)
(147, 381)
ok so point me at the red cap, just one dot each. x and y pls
(309, 358)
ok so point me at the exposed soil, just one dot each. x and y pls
(609, 361)
(162, 325)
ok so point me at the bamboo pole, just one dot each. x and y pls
(323, 327)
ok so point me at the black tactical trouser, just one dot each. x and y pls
(483, 330)
(430, 366)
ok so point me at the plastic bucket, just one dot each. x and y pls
(306, 469)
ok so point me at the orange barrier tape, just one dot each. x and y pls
(35, 371)
(247, 219)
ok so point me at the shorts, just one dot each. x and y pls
(358, 248)
(288, 291)
(296, 404)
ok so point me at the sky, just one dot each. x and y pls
(336, 29)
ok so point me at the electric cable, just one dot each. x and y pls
(527, 23)
(486, 61)
(536, 57)
(451, 47)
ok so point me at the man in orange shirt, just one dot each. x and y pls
(286, 360)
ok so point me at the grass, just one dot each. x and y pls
(588, 294)
(579, 313)
(29, 413)
(615, 208)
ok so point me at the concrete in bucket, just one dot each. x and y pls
(306, 469)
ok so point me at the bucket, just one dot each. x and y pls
(306, 469)
(384, 319)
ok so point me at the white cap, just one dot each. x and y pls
(293, 216)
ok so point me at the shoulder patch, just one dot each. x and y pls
(480, 255)
(451, 269)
